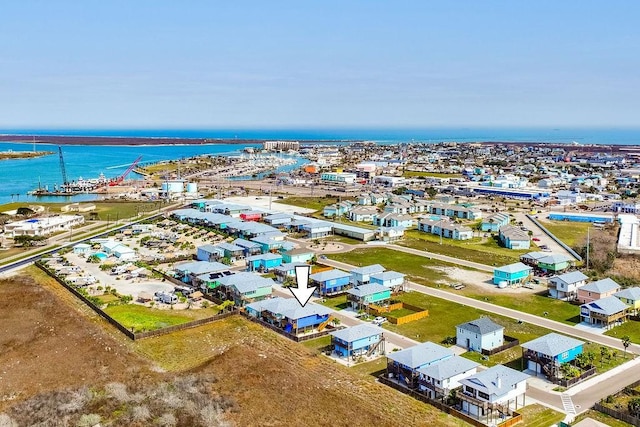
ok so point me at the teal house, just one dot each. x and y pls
(363, 295)
(511, 274)
(494, 222)
(264, 262)
(297, 255)
(546, 354)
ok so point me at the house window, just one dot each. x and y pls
(482, 395)
(565, 355)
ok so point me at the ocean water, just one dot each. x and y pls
(615, 136)
(17, 177)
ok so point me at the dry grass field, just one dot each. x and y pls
(63, 362)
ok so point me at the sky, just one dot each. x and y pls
(318, 64)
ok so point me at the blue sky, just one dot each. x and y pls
(276, 64)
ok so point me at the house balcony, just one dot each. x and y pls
(468, 397)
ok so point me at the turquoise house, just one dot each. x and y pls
(264, 262)
(511, 274)
(494, 222)
(363, 339)
(546, 354)
(363, 295)
(297, 255)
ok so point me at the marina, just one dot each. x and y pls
(111, 177)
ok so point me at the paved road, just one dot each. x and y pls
(590, 392)
(538, 233)
(346, 320)
(431, 255)
(445, 258)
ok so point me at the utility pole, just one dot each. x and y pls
(587, 261)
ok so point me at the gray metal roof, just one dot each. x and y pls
(290, 308)
(601, 286)
(368, 289)
(632, 294)
(513, 268)
(387, 275)
(201, 267)
(448, 368)
(571, 277)
(246, 282)
(420, 355)
(354, 333)
(606, 306)
(497, 380)
(552, 344)
(368, 269)
(245, 243)
(481, 326)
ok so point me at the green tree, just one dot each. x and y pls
(604, 353)
(634, 406)
(626, 342)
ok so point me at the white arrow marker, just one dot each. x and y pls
(302, 292)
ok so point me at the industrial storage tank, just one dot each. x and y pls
(192, 187)
(173, 186)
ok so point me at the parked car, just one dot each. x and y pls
(535, 239)
(379, 320)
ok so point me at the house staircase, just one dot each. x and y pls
(324, 324)
(375, 347)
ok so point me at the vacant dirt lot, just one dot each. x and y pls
(46, 344)
(53, 348)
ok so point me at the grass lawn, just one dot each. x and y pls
(373, 368)
(106, 299)
(536, 304)
(399, 313)
(317, 344)
(418, 268)
(571, 233)
(603, 418)
(140, 318)
(342, 239)
(540, 416)
(480, 250)
(336, 303)
(316, 203)
(444, 315)
(630, 328)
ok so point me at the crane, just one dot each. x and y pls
(118, 180)
(65, 181)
